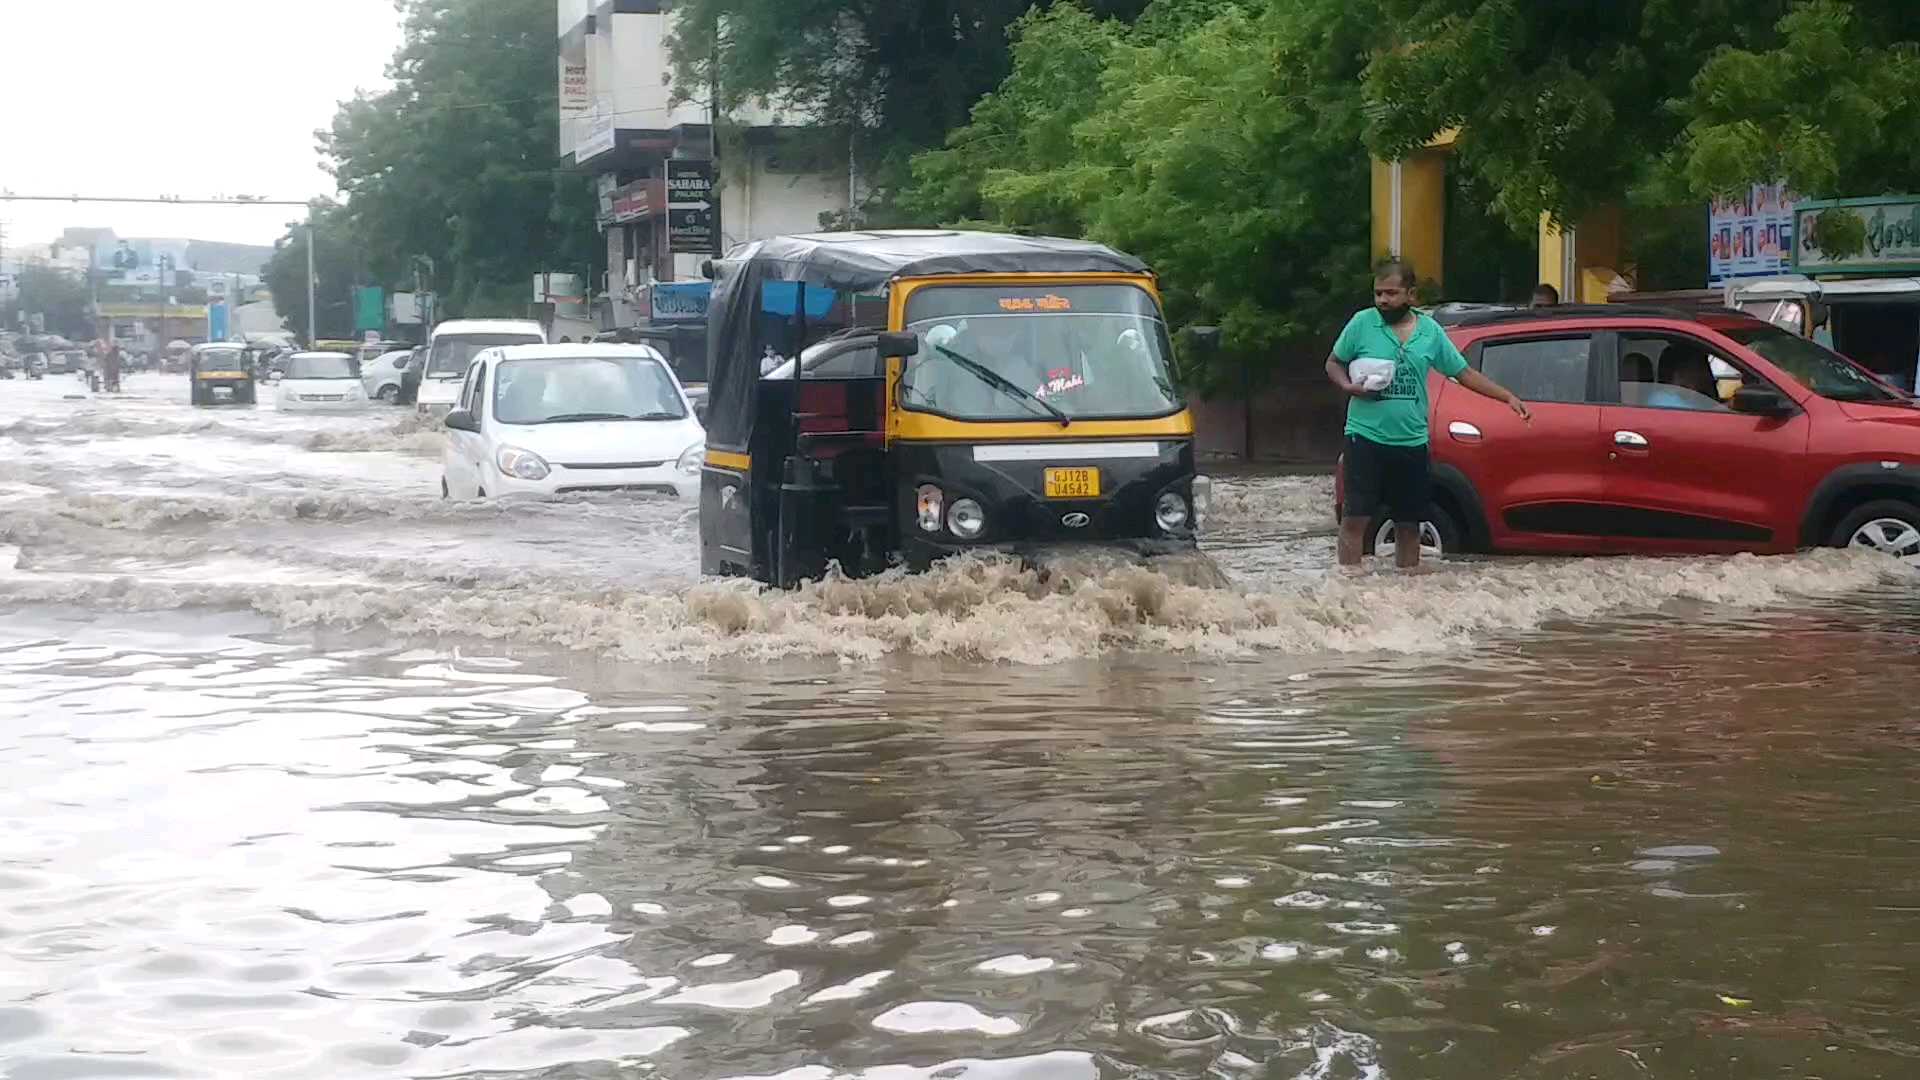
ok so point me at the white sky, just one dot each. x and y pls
(193, 98)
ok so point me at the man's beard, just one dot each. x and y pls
(1393, 314)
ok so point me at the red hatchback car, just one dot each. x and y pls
(1666, 432)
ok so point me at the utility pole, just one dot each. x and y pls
(311, 336)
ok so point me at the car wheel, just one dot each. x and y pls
(1885, 525)
(1438, 536)
(389, 394)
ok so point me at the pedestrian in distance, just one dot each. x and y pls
(1380, 364)
(1545, 295)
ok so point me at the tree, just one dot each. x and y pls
(338, 266)
(901, 75)
(1560, 107)
(1825, 105)
(1218, 141)
(60, 298)
(457, 161)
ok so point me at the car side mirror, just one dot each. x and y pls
(462, 420)
(1761, 401)
(897, 343)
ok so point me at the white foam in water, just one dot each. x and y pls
(311, 537)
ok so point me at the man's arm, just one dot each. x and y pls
(1337, 375)
(1486, 387)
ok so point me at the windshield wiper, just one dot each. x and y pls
(1000, 382)
(564, 417)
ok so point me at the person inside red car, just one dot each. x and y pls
(1393, 347)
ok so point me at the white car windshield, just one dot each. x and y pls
(321, 367)
(584, 388)
(450, 354)
(1031, 352)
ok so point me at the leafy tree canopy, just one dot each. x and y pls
(901, 73)
(338, 263)
(1826, 104)
(1217, 140)
(457, 163)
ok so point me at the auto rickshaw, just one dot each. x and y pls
(221, 371)
(892, 398)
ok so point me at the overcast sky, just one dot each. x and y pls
(182, 97)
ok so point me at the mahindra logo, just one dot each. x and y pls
(1076, 520)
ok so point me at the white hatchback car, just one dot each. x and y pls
(380, 376)
(554, 419)
(320, 382)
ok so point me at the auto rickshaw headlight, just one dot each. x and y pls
(930, 502)
(967, 520)
(1170, 511)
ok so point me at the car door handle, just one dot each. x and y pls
(1463, 431)
(1632, 439)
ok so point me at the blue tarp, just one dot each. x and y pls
(781, 297)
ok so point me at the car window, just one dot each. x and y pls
(1672, 371)
(1544, 369)
(477, 396)
(467, 384)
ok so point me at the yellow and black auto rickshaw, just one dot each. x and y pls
(888, 398)
(221, 371)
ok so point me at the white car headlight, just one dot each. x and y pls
(692, 458)
(521, 464)
(966, 519)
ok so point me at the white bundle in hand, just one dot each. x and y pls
(1369, 373)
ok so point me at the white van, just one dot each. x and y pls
(455, 343)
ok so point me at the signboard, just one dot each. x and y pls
(596, 131)
(217, 289)
(406, 308)
(635, 201)
(1750, 236)
(217, 322)
(1890, 223)
(576, 91)
(370, 309)
(606, 186)
(693, 213)
(139, 262)
(681, 302)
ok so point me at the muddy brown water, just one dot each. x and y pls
(307, 774)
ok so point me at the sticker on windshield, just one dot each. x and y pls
(1059, 381)
(1049, 302)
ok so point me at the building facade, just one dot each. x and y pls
(675, 189)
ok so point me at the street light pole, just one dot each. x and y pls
(311, 336)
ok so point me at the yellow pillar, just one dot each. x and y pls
(1410, 211)
(1584, 260)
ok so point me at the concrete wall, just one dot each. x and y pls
(757, 202)
(1294, 415)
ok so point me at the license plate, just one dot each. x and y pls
(1072, 483)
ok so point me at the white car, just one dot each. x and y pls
(380, 375)
(451, 351)
(554, 419)
(320, 381)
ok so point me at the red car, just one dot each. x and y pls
(1660, 431)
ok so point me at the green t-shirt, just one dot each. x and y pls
(1399, 418)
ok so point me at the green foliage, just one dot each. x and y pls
(1561, 106)
(59, 297)
(457, 162)
(1218, 141)
(1826, 105)
(901, 74)
(1839, 234)
(339, 264)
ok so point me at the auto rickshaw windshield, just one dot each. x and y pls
(1085, 351)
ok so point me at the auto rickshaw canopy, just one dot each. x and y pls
(774, 294)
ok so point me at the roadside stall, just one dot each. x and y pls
(1863, 303)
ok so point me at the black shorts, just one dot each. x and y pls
(1386, 479)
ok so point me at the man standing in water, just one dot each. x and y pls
(1386, 453)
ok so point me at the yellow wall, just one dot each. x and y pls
(1598, 255)
(1422, 189)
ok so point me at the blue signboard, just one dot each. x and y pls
(681, 302)
(216, 322)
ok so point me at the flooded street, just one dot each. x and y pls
(310, 773)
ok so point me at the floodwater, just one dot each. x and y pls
(307, 773)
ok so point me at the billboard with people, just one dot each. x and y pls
(139, 261)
